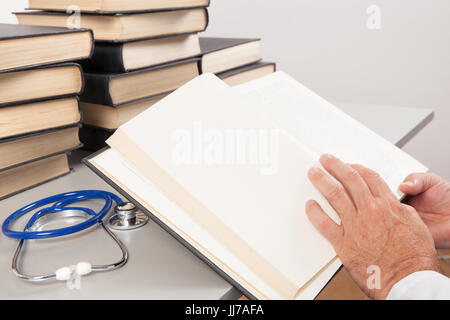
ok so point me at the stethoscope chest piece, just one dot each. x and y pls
(127, 217)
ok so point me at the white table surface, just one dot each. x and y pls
(159, 267)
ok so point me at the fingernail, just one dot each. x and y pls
(309, 203)
(411, 183)
(327, 156)
(313, 171)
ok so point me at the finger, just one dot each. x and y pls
(417, 183)
(353, 183)
(334, 193)
(378, 187)
(322, 222)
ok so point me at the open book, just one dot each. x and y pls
(224, 170)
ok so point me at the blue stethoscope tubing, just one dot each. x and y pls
(60, 202)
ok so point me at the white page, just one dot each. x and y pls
(325, 128)
(267, 211)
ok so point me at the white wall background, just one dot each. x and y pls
(326, 45)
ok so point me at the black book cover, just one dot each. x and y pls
(107, 58)
(97, 84)
(235, 71)
(49, 13)
(94, 138)
(19, 102)
(18, 31)
(101, 12)
(33, 133)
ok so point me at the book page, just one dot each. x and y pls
(259, 199)
(325, 128)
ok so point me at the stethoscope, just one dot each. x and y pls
(126, 217)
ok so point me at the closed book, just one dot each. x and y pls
(28, 46)
(22, 150)
(129, 56)
(222, 54)
(39, 117)
(32, 174)
(120, 27)
(40, 83)
(247, 73)
(116, 89)
(105, 6)
(111, 118)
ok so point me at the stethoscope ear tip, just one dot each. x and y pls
(63, 274)
(84, 268)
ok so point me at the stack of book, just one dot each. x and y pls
(39, 106)
(144, 50)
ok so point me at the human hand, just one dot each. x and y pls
(377, 231)
(430, 196)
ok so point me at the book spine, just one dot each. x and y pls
(94, 138)
(207, 19)
(97, 89)
(107, 58)
(200, 61)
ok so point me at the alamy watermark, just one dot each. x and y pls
(374, 280)
(374, 17)
(74, 20)
(200, 146)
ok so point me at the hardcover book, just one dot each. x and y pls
(115, 6)
(32, 174)
(41, 83)
(120, 27)
(130, 56)
(22, 150)
(39, 117)
(111, 118)
(28, 46)
(224, 170)
(222, 54)
(247, 73)
(120, 88)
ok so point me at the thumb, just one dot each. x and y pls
(323, 223)
(417, 183)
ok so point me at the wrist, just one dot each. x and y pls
(402, 270)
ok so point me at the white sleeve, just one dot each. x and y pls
(421, 285)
